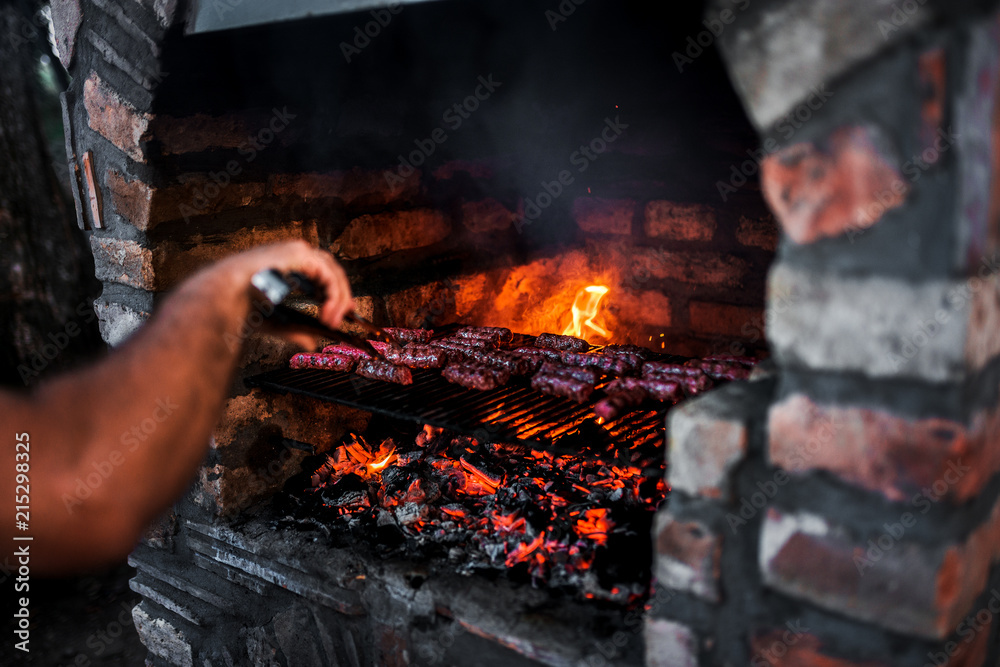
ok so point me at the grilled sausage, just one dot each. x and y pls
(562, 343)
(376, 369)
(598, 361)
(415, 355)
(332, 362)
(410, 335)
(620, 402)
(476, 376)
(347, 351)
(562, 385)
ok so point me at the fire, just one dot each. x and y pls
(595, 525)
(585, 310)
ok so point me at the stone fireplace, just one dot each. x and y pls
(480, 163)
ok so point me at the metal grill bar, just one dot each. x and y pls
(514, 413)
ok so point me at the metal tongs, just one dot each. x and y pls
(274, 288)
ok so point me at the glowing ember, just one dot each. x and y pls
(585, 310)
(490, 506)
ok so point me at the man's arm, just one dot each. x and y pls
(166, 384)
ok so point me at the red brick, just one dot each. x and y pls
(243, 478)
(487, 215)
(145, 206)
(357, 188)
(200, 132)
(125, 262)
(687, 558)
(371, 235)
(595, 215)
(902, 585)
(680, 222)
(791, 646)
(758, 232)
(725, 320)
(115, 119)
(670, 644)
(66, 19)
(932, 69)
(824, 190)
(696, 268)
(884, 453)
(708, 438)
(649, 307)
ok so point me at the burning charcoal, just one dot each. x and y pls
(477, 465)
(376, 369)
(410, 513)
(347, 491)
(410, 335)
(598, 361)
(562, 343)
(331, 362)
(347, 351)
(422, 491)
(476, 376)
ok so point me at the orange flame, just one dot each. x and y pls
(584, 310)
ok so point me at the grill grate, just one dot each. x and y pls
(514, 413)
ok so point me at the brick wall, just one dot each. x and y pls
(845, 512)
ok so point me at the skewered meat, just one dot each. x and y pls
(332, 362)
(410, 335)
(562, 343)
(476, 376)
(659, 389)
(415, 355)
(563, 385)
(721, 370)
(347, 351)
(512, 363)
(494, 334)
(620, 402)
(454, 342)
(576, 372)
(598, 361)
(745, 361)
(551, 355)
(626, 350)
(654, 368)
(634, 361)
(376, 369)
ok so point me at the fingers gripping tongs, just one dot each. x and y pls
(273, 290)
